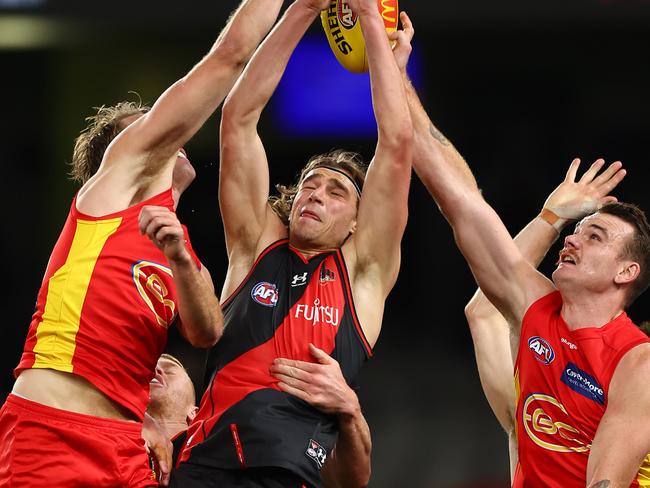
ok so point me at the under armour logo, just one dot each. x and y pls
(299, 280)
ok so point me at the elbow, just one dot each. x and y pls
(363, 478)
(207, 337)
(235, 116)
(398, 138)
(365, 481)
(233, 53)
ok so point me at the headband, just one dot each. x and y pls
(336, 170)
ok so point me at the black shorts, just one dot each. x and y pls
(195, 476)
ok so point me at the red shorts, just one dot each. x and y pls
(47, 447)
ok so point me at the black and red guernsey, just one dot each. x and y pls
(285, 303)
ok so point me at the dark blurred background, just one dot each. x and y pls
(521, 88)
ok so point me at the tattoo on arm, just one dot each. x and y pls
(437, 135)
(601, 484)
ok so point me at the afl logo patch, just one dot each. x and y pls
(265, 294)
(347, 18)
(541, 349)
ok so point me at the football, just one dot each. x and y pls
(343, 32)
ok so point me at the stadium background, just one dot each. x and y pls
(520, 88)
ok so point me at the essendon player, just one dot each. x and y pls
(119, 275)
(316, 272)
(583, 406)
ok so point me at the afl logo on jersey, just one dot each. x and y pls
(541, 349)
(265, 294)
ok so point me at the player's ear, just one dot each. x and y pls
(627, 273)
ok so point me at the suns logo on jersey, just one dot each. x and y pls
(541, 349)
(148, 280)
(265, 294)
(547, 424)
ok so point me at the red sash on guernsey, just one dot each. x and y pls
(562, 381)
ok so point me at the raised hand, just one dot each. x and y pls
(401, 40)
(572, 200)
(164, 229)
(159, 448)
(320, 384)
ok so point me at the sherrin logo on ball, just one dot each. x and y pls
(343, 32)
(346, 16)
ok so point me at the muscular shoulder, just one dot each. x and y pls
(629, 382)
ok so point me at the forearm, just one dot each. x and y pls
(262, 75)
(436, 161)
(186, 105)
(388, 92)
(353, 447)
(245, 29)
(198, 307)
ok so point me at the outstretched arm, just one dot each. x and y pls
(503, 273)
(149, 145)
(500, 269)
(622, 440)
(322, 385)
(244, 180)
(373, 251)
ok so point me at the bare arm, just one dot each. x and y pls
(244, 178)
(322, 385)
(147, 147)
(383, 209)
(494, 344)
(500, 269)
(349, 463)
(623, 437)
(201, 318)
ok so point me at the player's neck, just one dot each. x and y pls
(590, 310)
(308, 250)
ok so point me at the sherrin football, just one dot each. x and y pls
(343, 31)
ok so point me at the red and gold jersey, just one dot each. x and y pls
(562, 381)
(105, 303)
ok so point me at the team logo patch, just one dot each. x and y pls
(265, 294)
(548, 424)
(347, 18)
(326, 275)
(149, 281)
(299, 280)
(541, 349)
(316, 453)
(583, 383)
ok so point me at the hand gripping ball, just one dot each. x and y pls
(343, 31)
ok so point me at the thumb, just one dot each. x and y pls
(320, 355)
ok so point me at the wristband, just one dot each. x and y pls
(552, 219)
